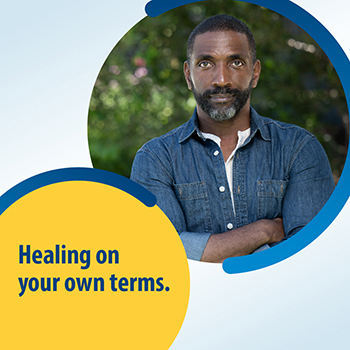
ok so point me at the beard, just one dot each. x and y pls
(224, 112)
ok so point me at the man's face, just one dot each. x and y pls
(221, 74)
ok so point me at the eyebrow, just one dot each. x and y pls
(204, 57)
(209, 57)
(237, 55)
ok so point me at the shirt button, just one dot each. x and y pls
(216, 153)
(229, 226)
(222, 189)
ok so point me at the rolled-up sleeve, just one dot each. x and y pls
(155, 175)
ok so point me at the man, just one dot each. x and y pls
(230, 180)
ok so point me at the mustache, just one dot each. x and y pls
(221, 91)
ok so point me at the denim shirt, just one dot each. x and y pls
(281, 170)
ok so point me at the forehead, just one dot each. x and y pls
(225, 43)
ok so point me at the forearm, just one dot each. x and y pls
(243, 240)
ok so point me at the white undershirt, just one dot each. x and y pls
(242, 136)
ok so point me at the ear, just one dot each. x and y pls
(256, 72)
(187, 75)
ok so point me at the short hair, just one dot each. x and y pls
(221, 23)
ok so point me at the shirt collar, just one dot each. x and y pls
(190, 128)
(256, 123)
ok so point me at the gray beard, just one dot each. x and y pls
(222, 113)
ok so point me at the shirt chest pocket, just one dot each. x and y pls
(270, 197)
(194, 201)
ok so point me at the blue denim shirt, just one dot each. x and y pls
(280, 171)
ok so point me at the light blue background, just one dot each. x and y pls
(51, 55)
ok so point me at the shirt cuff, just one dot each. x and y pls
(194, 243)
(260, 249)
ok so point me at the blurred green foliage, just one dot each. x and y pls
(141, 93)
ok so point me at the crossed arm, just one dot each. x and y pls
(201, 246)
(243, 240)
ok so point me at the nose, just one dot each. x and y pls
(222, 76)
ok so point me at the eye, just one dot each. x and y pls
(237, 63)
(204, 64)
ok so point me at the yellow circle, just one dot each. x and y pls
(86, 235)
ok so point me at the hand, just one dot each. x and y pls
(275, 230)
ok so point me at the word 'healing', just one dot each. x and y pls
(61, 255)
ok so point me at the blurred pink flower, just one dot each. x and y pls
(140, 72)
(139, 62)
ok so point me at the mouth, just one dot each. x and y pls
(221, 98)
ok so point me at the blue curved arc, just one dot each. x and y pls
(76, 174)
(341, 194)
(292, 246)
(155, 8)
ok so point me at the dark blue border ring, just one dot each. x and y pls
(76, 174)
(340, 195)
